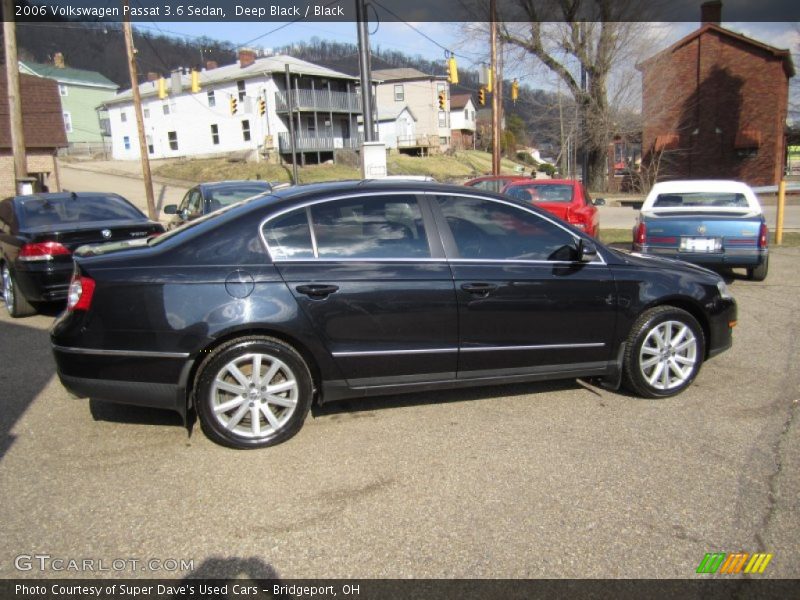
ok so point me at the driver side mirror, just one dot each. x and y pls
(599, 202)
(171, 209)
(587, 251)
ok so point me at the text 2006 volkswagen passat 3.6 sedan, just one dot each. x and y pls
(323, 292)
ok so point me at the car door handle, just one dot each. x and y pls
(317, 291)
(481, 289)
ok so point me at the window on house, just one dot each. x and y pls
(246, 130)
(399, 93)
(172, 136)
(214, 134)
(149, 140)
(146, 113)
(63, 90)
(123, 116)
(444, 141)
(67, 122)
(165, 108)
(442, 118)
(126, 141)
(212, 100)
(240, 87)
(311, 126)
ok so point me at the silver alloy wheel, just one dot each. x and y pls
(255, 395)
(8, 289)
(668, 355)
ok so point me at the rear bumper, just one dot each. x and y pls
(733, 257)
(42, 282)
(149, 379)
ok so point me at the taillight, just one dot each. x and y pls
(763, 236)
(81, 290)
(41, 251)
(641, 235)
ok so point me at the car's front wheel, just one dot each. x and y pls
(253, 392)
(16, 303)
(664, 352)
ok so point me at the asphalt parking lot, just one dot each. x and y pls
(535, 480)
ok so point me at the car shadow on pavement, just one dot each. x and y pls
(25, 370)
(132, 415)
(370, 403)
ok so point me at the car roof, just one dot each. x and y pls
(494, 178)
(530, 180)
(64, 196)
(234, 183)
(685, 186)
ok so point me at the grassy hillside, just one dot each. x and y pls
(456, 168)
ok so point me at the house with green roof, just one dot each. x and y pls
(82, 92)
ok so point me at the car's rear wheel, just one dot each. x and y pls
(664, 352)
(16, 303)
(759, 273)
(253, 392)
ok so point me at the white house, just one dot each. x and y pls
(225, 115)
(463, 122)
(396, 123)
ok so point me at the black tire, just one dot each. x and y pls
(16, 302)
(647, 357)
(230, 369)
(759, 273)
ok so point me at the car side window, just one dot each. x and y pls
(5, 216)
(289, 236)
(491, 230)
(195, 205)
(370, 227)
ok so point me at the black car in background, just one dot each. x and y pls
(208, 197)
(39, 232)
(342, 290)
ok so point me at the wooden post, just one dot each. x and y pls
(781, 206)
(495, 94)
(137, 109)
(14, 99)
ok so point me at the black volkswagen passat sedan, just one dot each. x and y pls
(340, 290)
(39, 232)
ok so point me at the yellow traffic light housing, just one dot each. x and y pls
(489, 79)
(515, 90)
(442, 100)
(262, 107)
(452, 70)
(482, 96)
(234, 106)
(162, 88)
(195, 81)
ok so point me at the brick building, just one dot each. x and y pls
(43, 127)
(714, 106)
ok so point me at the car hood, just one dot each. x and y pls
(646, 260)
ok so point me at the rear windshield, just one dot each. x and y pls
(230, 195)
(533, 192)
(701, 200)
(38, 211)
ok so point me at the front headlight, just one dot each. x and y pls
(724, 292)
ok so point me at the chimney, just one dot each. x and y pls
(58, 60)
(211, 64)
(711, 12)
(153, 76)
(246, 57)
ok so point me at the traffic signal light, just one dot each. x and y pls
(515, 90)
(195, 81)
(234, 106)
(452, 70)
(442, 100)
(489, 79)
(262, 107)
(162, 88)
(482, 96)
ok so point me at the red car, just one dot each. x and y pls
(494, 183)
(565, 198)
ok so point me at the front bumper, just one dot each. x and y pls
(720, 324)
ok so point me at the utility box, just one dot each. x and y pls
(373, 160)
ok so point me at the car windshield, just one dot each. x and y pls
(43, 211)
(701, 200)
(225, 196)
(541, 192)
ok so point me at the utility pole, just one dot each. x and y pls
(494, 84)
(14, 98)
(583, 127)
(366, 70)
(137, 109)
(290, 108)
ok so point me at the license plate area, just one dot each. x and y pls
(700, 244)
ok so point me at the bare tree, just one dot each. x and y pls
(594, 37)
